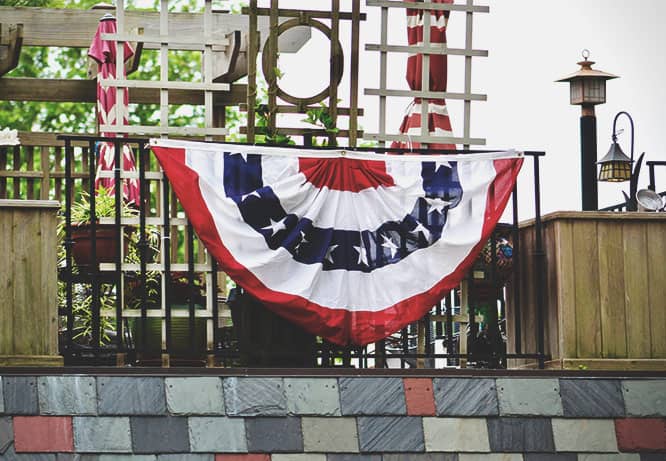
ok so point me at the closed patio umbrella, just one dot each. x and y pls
(104, 52)
(438, 121)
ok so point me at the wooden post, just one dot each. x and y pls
(464, 315)
(28, 284)
(421, 343)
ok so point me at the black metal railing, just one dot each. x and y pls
(652, 164)
(619, 207)
(229, 328)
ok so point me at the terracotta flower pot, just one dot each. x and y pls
(106, 244)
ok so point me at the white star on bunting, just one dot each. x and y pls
(275, 226)
(251, 194)
(329, 253)
(302, 242)
(388, 243)
(436, 204)
(420, 228)
(439, 163)
(362, 254)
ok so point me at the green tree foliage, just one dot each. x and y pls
(71, 63)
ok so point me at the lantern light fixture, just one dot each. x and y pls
(587, 85)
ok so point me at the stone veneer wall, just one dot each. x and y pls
(114, 418)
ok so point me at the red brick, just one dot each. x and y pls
(641, 434)
(43, 434)
(248, 457)
(419, 396)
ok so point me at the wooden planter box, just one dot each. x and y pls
(605, 290)
(28, 283)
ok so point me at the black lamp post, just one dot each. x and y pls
(587, 89)
(617, 167)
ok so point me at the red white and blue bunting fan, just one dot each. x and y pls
(352, 246)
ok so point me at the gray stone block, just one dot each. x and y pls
(312, 396)
(20, 395)
(11, 455)
(254, 397)
(490, 457)
(352, 457)
(2, 398)
(592, 398)
(67, 395)
(465, 397)
(453, 434)
(127, 458)
(610, 457)
(652, 456)
(584, 435)
(194, 396)
(102, 434)
(421, 457)
(298, 457)
(549, 457)
(372, 396)
(159, 434)
(130, 396)
(330, 435)
(645, 397)
(526, 396)
(76, 457)
(6, 433)
(187, 457)
(381, 434)
(274, 435)
(520, 435)
(217, 434)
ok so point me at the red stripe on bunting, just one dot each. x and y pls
(336, 325)
(345, 174)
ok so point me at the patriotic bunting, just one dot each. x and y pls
(351, 246)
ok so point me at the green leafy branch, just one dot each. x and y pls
(264, 114)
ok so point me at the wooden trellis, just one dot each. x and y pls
(168, 39)
(426, 49)
(298, 105)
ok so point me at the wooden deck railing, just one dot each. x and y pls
(37, 169)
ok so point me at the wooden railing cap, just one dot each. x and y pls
(11, 203)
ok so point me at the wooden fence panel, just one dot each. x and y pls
(28, 308)
(608, 309)
(656, 251)
(611, 292)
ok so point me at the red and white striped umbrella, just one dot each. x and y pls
(439, 123)
(104, 52)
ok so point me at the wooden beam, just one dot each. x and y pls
(434, 48)
(171, 85)
(62, 90)
(11, 40)
(467, 96)
(316, 14)
(160, 130)
(429, 6)
(76, 28)
(403, 138)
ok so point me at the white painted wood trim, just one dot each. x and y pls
(426, 94)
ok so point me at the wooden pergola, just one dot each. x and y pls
(230, 45)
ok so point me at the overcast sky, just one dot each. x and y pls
(531, 44)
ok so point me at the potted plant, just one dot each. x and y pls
(150, 346)
(105, 234)
(82, 307)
